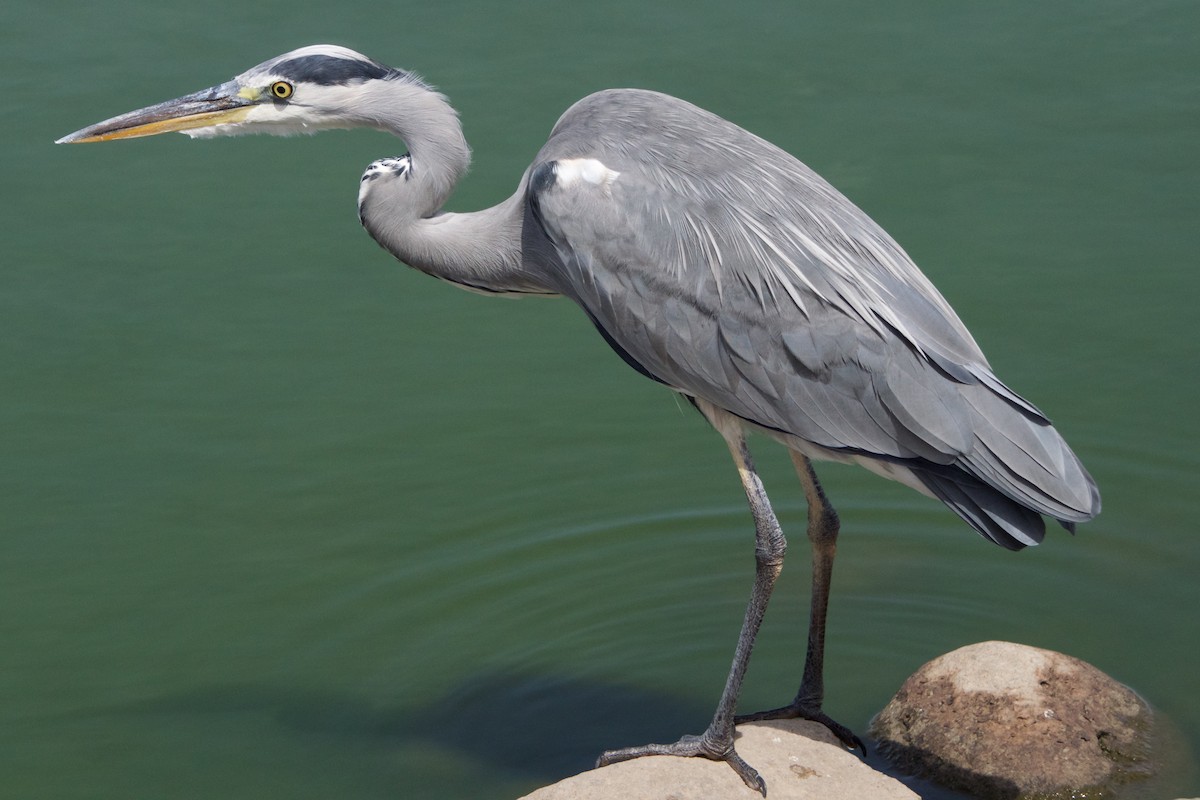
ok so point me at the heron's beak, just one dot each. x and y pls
(220, 105)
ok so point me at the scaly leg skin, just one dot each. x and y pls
(717, 741)
(717, 746)
(822, 533)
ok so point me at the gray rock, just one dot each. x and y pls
(797, 759)
(1003, 720)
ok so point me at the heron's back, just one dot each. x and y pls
(720, 265)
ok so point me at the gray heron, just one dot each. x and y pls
(716, 264)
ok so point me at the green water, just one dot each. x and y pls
(283, 518)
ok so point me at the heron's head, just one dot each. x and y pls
(304, 91)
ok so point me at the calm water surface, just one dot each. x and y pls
(282, 518)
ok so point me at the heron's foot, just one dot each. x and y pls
(709, 745)
(799, 709)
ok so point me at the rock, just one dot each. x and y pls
(798, 759)
(1002, 720)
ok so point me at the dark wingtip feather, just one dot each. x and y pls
(996, 517)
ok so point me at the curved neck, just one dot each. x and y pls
(430, 128)
(400, 200)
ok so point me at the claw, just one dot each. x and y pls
(747, 773)
(704, 746)
(804, 711)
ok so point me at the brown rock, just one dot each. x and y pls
(797, 759)
(1003, 720)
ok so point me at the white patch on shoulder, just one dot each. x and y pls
(570, 171)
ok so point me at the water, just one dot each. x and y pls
(283, 518)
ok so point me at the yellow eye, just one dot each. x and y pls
(281, 90)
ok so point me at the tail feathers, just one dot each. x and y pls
(1022, 456)
(978, 446)
(998, 518)
(1019, 469)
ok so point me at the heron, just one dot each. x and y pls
(712, 262)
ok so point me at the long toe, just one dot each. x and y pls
(783, 712)
(797, 710)
(844, 734)
(690, 747)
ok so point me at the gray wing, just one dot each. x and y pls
(721, 266)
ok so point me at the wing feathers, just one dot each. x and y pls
(728, 270)
(995, 516)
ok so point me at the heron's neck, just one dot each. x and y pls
(400, 200)
(430, 128)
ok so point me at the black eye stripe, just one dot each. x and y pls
(325, 70)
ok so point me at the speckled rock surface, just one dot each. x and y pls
(797, 759)
(1003, 720)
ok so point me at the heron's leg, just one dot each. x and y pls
(822, 534)
(717, 741)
